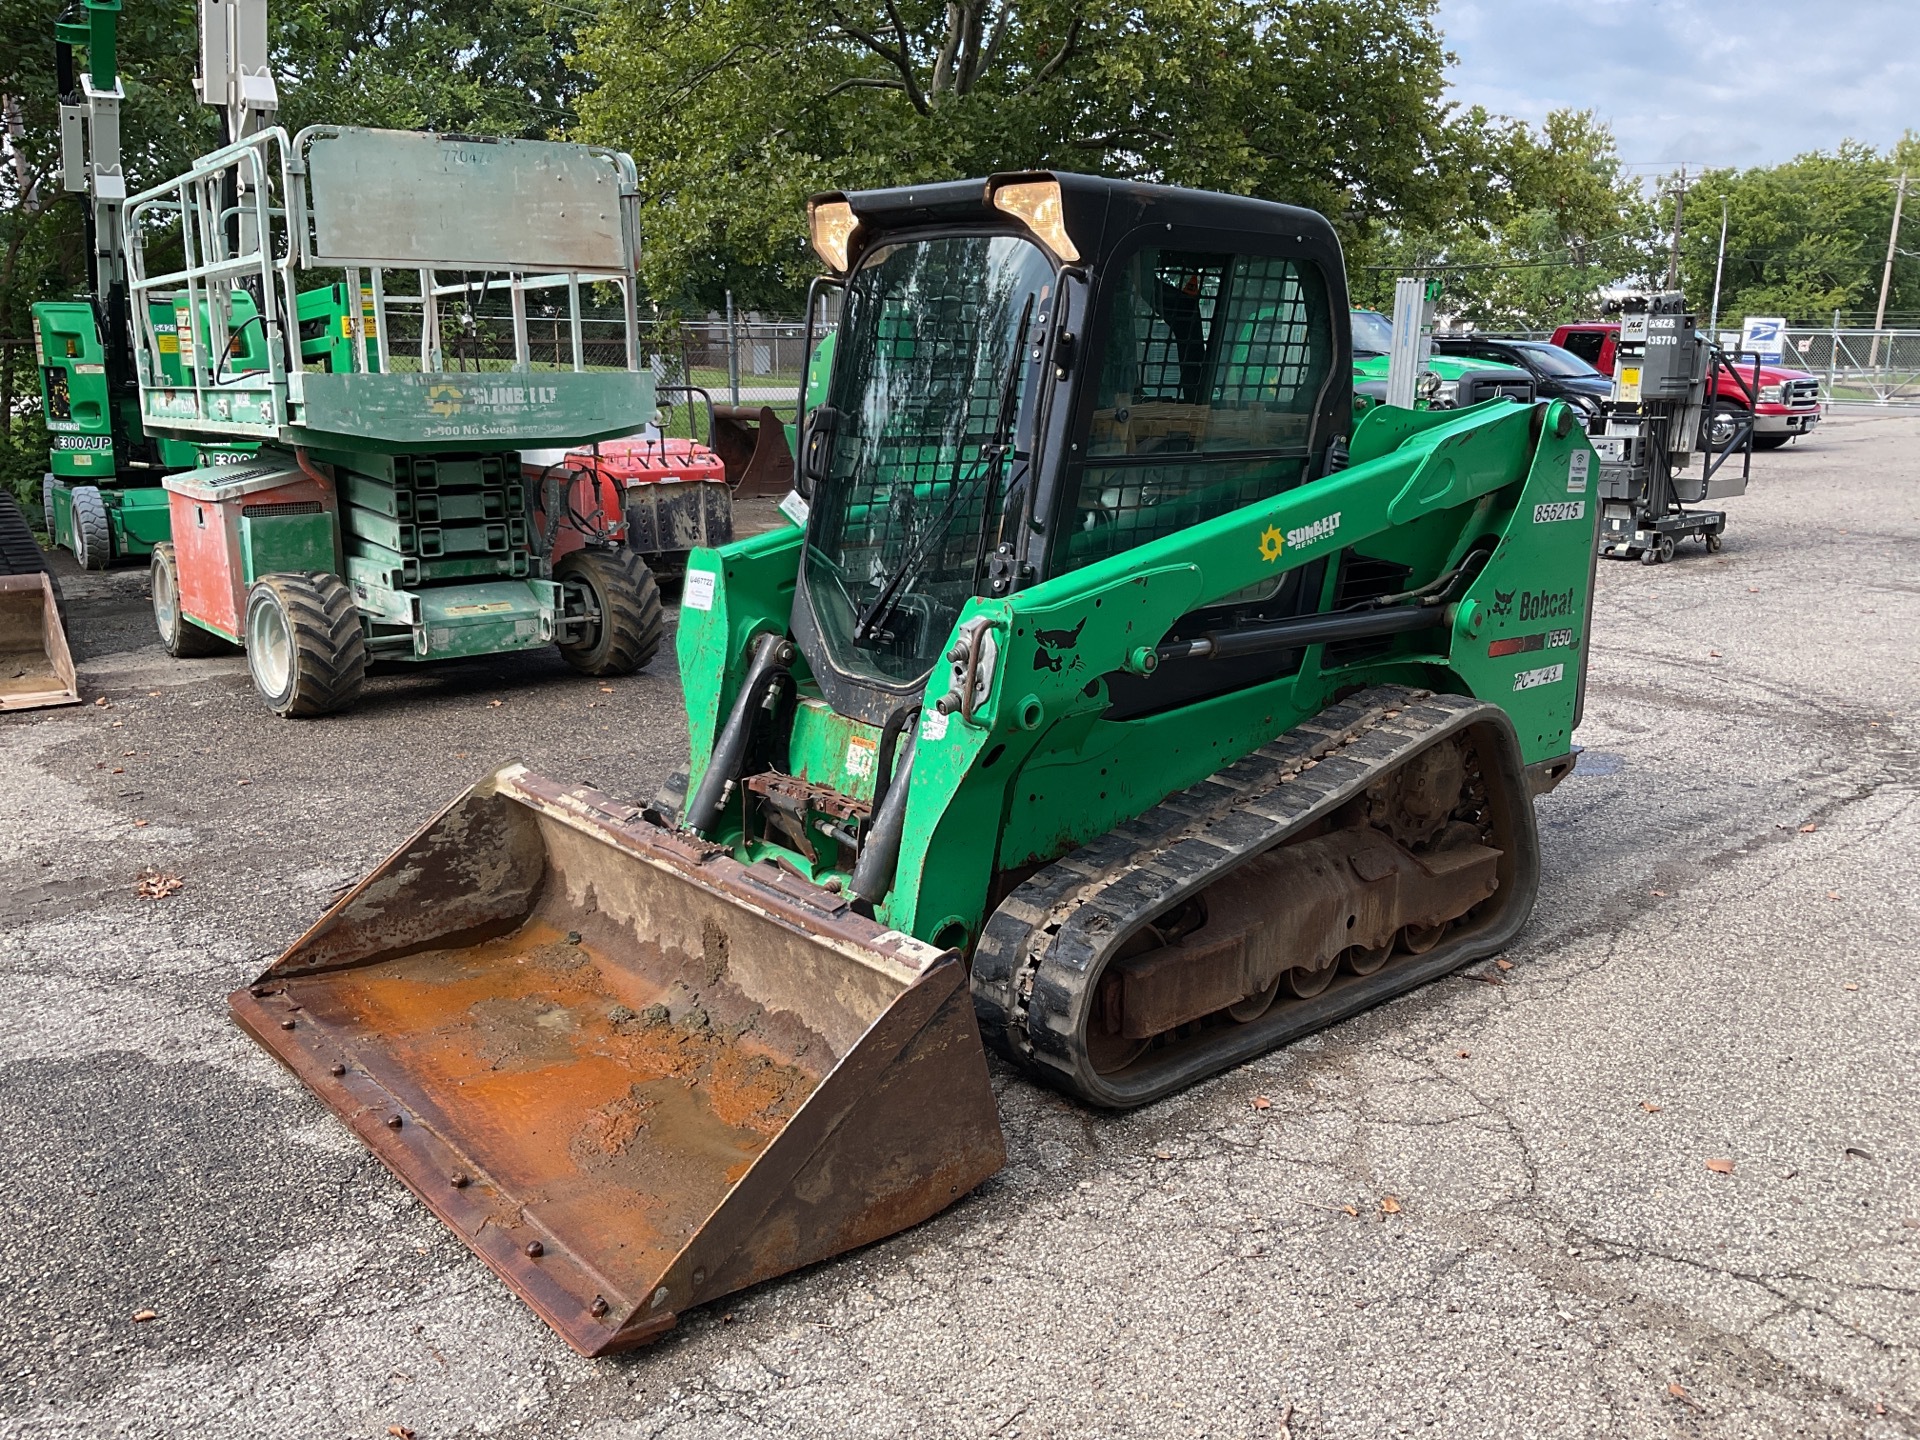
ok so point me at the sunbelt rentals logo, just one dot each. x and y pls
(1273, 543)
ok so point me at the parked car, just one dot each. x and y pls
(1557, 374)
(1788, 403)
(1458, 381)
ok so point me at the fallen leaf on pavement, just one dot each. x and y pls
(1849, 986)
(1833, 894)
(1720, 1167)
(1261, 1102)
(1349, 1210)
(400, 1432)
(495, 704)
(1661, 893)
(1854, 1152)
(1714, 654)
(141, 824)
(156, 885)
(1679, 1392)
(606, 689)
(1504, 964)
(102, 702)
(141, 1316)
(1389, 1205)
(1808, 828)
(1649, 1107)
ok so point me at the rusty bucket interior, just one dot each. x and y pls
(36, 668)
(632, 1073)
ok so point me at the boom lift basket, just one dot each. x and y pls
(630, 1072)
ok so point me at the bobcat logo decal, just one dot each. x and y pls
(1502, 602)
(1055, 640)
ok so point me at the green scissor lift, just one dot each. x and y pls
(383, 515)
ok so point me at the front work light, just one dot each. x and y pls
(832, 223)
(1036, 204)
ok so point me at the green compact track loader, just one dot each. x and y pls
(1120, 704)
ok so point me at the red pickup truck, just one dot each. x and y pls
(1788, 403)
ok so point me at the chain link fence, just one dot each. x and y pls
(1880, 368)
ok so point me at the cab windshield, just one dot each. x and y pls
(928, 376)
(1372, 333)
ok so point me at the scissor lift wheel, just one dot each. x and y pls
(180, 636)
(305, 648)
(613, 605)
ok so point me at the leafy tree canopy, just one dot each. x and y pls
(737, 110)
(1546, 220)
(1807, 238)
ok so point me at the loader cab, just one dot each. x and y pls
(1036, 372)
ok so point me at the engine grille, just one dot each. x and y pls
(1803, 392)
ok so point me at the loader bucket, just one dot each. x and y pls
(752, 444)
(36, 668)
(630, 1072)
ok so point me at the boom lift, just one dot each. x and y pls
(101, 495)
(1120, 703)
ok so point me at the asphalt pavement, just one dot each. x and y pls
(1660, 1177)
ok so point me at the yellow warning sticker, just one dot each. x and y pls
(492, 607)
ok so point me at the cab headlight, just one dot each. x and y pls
(830, 224)
(1037, 205)
(1444, 393)
(1773, 394)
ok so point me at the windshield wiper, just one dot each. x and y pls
(993, 454)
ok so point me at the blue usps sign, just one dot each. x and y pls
(1765, 336)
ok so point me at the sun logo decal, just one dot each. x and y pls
(1272, 542)
(444, 400)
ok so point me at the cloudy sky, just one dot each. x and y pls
(1700, 82)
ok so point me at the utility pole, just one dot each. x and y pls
(1719, 264)
(1673, 256)
(1886, 275)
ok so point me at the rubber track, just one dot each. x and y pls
(20, 553)
(1044, 946)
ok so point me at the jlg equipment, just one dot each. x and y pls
(1118, 704)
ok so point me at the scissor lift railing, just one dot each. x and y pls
(421, 226)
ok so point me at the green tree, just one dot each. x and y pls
(476, 67)
(1806, 238)
(737, 110)
(1545, 221)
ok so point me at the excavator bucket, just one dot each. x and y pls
(632, 1073)
(36, 668)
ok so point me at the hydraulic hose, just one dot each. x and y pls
(880, 856)
(771, 656)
